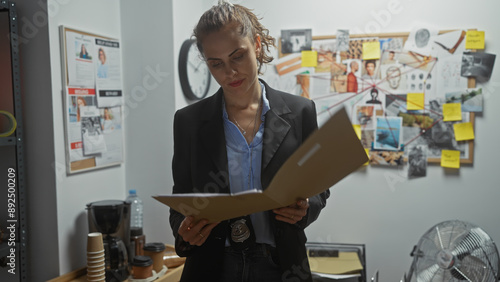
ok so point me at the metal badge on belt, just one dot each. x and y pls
(242, 234)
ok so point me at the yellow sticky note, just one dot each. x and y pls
(371, 50)
(463, 131)
(474, 39)
(309, 58)
(452, 112)
(357, 129)
(368, 155)
(450, 158)
(415, 101)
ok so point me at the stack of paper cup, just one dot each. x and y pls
(95, 258)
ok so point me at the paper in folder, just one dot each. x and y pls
(328, 155)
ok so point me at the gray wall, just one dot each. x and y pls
(43, 245)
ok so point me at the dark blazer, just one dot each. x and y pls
(200, 165)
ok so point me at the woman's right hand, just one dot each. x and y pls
(195, 233)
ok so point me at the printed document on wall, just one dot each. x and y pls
(108, 73)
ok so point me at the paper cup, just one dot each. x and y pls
(155, 251)
(94, 243)
(95, 263)
(95, 257)
(95, 267)
(96, 279)
(97, 273)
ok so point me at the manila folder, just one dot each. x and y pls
(329, 154)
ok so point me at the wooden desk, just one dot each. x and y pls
(79, 275)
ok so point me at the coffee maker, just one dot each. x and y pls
(112, 219)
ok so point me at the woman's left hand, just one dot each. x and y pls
(293, 213)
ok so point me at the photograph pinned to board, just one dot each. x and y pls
(296, 40)
(393, 78)
(356, 47)
(470, 98)
(370, 71)
(417, 161)
(450, 41)
(390, 48)
(478, 65)
(386, 158)
(389, 57)
(388, 133)
(111, 125)
(365, 117)
(92, 137)
(353, 72)
(374, 98)
(421, 40)
(324, 46)
(326, 54)
(342, 40)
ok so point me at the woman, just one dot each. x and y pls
(102, 69)
(80, 102)
(237, 140)
(83, 52)
(107, 121)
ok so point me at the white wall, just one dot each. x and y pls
(185, 18)
(148, 69)
(378, 206)
(75, 191)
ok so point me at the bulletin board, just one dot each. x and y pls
(407, 92)
(93, 100)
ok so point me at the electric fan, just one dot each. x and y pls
(455, 251)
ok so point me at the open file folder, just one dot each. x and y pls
(327, 156)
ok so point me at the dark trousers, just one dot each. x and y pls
(257, 264)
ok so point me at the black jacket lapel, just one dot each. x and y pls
(276, 128)
(212, 132)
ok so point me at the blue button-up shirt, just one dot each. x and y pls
(245, 163)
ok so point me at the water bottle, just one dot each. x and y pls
(137, 237)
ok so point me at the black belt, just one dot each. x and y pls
(257, 248)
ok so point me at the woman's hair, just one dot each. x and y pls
(81, 99)
(225, 13)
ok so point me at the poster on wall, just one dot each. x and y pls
(92, 100)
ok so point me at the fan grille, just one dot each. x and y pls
(456, 251)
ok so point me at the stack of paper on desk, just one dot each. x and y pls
(327, 156)
(345, 263)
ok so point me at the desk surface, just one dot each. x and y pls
(172, 275)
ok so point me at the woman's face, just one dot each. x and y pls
(81, 102)
(102, 58)
(106, 114)
(232, 60)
